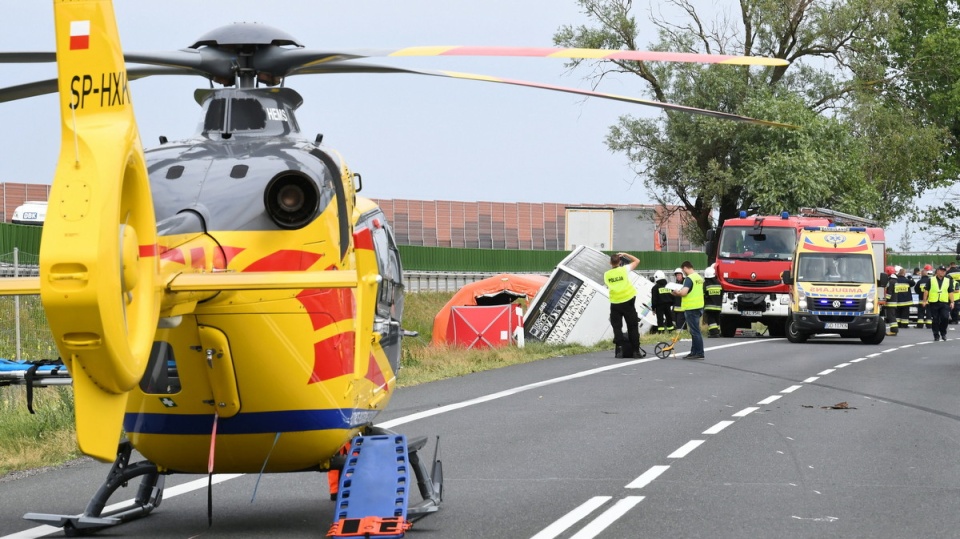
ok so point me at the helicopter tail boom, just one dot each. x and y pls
(98, 257)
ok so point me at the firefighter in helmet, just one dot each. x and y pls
(662, 302)
(890, 297)
(713, 293)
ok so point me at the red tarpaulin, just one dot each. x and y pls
(482, 327)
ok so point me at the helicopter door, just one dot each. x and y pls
(220, 371)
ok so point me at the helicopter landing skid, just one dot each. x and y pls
(93, 519)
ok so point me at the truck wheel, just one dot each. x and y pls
(793, 334)
(877, 336)
(728, 326)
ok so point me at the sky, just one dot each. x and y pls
(408, 136)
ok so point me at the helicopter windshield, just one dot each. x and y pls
(247, 114)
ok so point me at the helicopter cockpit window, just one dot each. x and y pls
(261, 115)
(161, 376)
(247, 114)
(216, 112)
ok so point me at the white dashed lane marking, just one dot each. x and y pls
(685, 449)
(647, 477)
(770, 399)
(718, 427)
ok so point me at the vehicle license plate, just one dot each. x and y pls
(751, 313)
(835, 325)
(29, 215)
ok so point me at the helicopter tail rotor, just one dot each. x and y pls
(98, 254)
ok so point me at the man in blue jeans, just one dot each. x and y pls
(691, 294)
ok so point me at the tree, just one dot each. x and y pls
(853, 151)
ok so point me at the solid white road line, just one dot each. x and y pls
(770, 399)
(647, 477)
(746, 411)
(607, 518)
(718, 427)
(572, 517)
(685, 449)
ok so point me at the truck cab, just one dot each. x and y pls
(834, 286)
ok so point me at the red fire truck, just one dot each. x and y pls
(751, 252)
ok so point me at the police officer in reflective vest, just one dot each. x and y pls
(691, 296)
(623, 306)
(713, 301)
(939, 299)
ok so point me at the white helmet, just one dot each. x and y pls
(659, 275)
(678, 270)
(709, 273)
(897, 269)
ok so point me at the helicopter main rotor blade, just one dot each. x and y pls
(49, 86)
(27, 57)
(370, 68)
(281, 61)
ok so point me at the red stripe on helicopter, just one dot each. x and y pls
(285, 260)
(198, 259)
(327, 306)
(333, 357)
(148, 250)
(363, 239)
(374, 374)
(173, 255)
(230, 252)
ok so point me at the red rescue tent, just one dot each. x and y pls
(501, 289)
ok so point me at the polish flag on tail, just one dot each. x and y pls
(79, 35)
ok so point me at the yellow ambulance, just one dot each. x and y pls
(834, 285)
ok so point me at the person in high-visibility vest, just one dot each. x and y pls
(953, 272)
(691, 296)
(678, 318)
(623, 297)
(713, 302)
(939, 299)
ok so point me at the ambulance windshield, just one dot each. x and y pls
(835, 268)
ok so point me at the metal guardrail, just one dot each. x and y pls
(9, 270)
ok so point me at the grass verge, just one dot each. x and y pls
(48, 437)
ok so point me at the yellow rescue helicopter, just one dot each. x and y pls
(228, 303)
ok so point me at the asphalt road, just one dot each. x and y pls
(748, 443)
